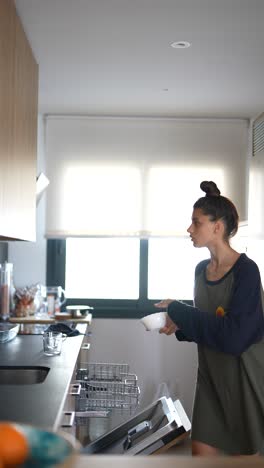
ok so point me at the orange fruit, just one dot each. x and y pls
(14, 447)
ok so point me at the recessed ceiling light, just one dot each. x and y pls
(181, 45)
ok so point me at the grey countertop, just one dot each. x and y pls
(165, 461)
(39, 404)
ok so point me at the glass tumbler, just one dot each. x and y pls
(52, 343)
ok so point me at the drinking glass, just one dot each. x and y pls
(52, 342)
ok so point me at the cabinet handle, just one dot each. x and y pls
(85, 346)
(71, 416)
(75, 389)
(92, 414)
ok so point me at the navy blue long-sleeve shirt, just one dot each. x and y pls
(238, 295)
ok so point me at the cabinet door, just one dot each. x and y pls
(84, 352)
(7, 53)
(68, 419)
(18, 128)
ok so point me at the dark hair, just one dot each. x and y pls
(218, 207)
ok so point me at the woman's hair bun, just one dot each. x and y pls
(210, 188)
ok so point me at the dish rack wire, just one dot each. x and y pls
(107, 386)
(104, 371)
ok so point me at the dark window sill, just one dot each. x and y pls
(114, 309)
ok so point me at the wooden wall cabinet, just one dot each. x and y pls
(18, 128)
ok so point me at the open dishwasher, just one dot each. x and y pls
(108, 418)
(110, 390)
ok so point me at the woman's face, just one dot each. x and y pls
(202, 231)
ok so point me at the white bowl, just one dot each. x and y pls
(154, 321)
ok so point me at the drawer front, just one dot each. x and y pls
(84, 351)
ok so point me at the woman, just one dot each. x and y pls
(227, 324)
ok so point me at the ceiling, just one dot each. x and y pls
(114, 57)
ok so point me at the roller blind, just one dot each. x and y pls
(138, 177)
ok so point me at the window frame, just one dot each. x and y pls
(103, 308)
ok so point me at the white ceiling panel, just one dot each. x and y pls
(114, 57)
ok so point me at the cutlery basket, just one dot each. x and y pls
(104, 371)
(106, 386)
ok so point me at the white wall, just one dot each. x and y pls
(154, 358)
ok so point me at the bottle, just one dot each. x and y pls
(6, 290)
(55, 299)
(51, 304)
(57, 306)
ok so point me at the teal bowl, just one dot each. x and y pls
(48, 449)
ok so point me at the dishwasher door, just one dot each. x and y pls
(155, 429)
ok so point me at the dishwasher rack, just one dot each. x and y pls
(104, 371)
(106, 386)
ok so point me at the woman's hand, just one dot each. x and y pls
(163, 304)
(170, 327)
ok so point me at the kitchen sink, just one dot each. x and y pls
(23, 375)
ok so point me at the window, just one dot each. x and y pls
(102, 268)
(171, 265)
(123, 277)
(120, 199)
(105, 199)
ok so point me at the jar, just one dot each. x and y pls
(6, 290)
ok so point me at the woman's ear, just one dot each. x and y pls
(219, 227)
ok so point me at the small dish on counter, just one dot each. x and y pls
(78, 311)
(8, 331)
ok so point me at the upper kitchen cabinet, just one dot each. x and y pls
(18, 128)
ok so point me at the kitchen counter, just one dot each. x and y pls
(155, 461)
(38, 404)
(41, 405)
